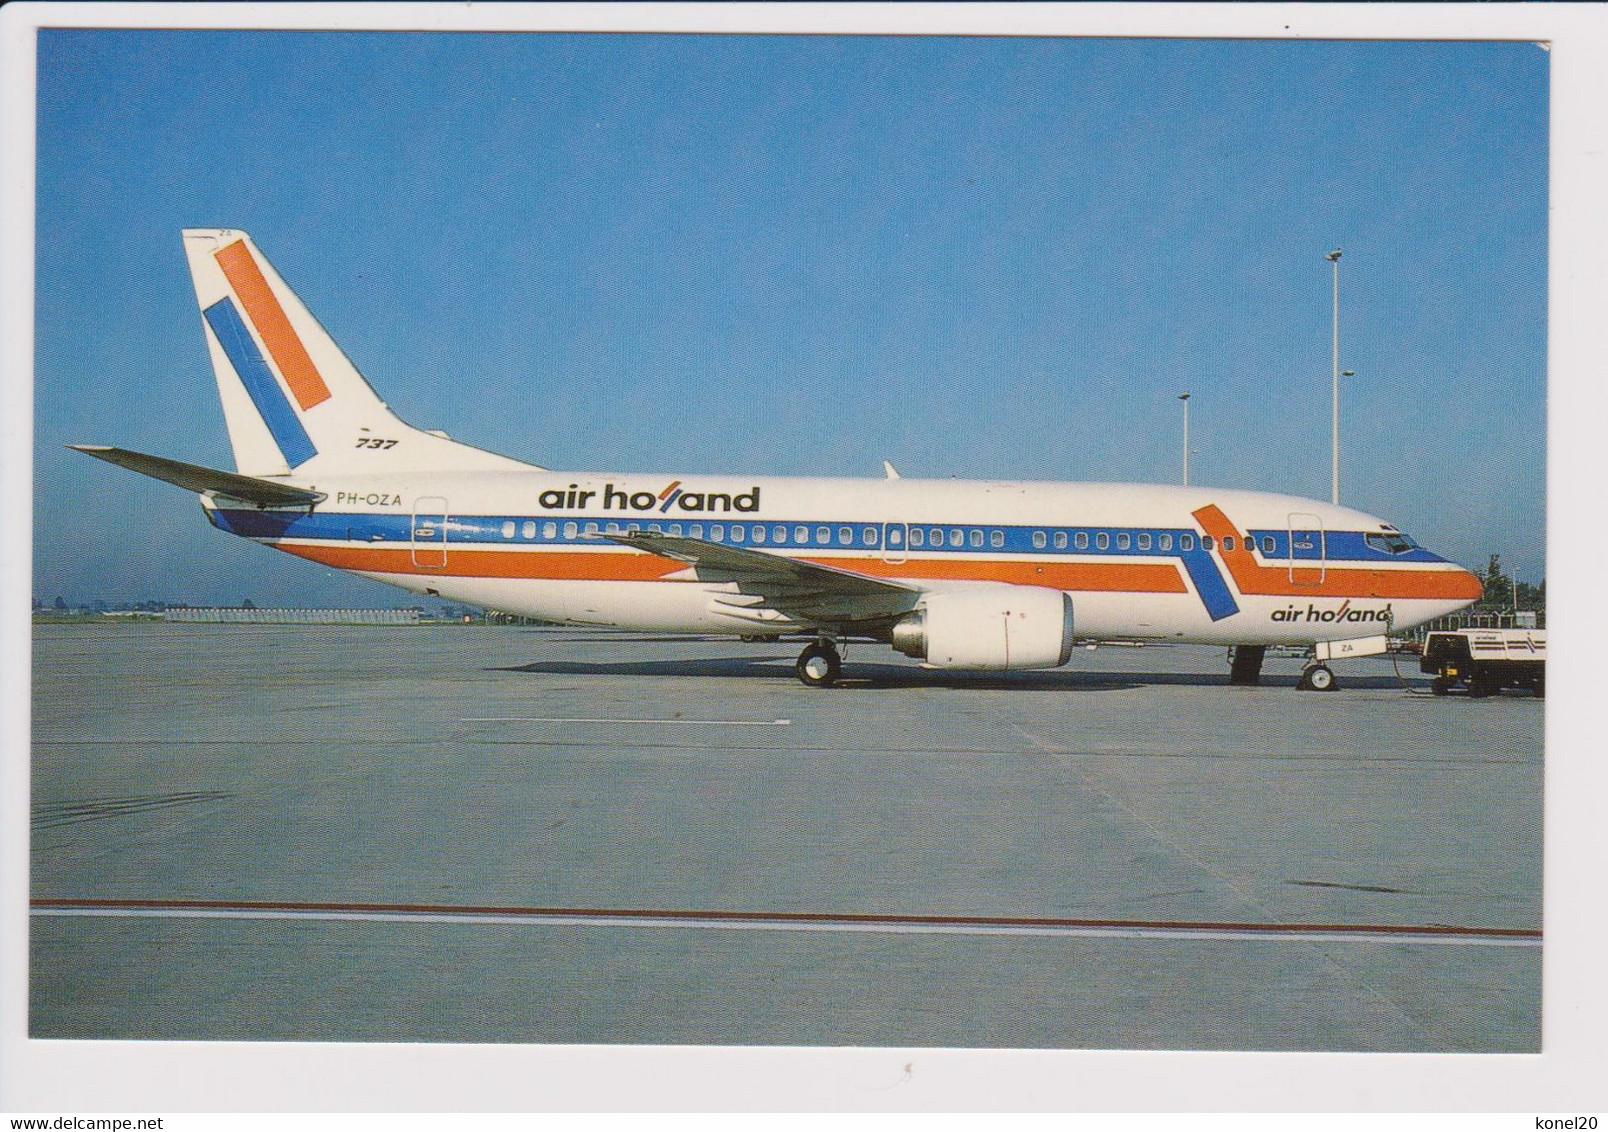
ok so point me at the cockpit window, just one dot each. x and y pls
(1390, 542)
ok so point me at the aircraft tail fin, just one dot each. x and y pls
(293, 401)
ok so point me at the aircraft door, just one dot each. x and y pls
(429, 538)
(895, 540)
(1307, 550)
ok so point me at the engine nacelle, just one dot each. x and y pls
(989, 628)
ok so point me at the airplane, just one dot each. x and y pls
(967, 575)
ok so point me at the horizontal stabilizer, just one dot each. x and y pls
(207, 481)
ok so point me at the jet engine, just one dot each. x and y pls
(989, 628)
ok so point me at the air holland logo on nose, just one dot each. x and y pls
(575, 498)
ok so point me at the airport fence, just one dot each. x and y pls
(238, 616)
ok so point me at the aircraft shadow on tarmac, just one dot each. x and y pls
(870, 675)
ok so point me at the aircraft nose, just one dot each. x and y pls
(1468, 586)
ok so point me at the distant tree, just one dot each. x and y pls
(246, 604)
(60, 604)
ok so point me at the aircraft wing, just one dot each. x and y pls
(771, 588)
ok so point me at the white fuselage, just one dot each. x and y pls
(1140, 561)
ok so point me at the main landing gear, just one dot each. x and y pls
(1316, 678)
(819, 665)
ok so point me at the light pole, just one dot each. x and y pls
(1334, 258)
(1184, 397)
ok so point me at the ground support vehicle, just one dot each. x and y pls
(1486, 660)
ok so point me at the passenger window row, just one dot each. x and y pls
(781, 534)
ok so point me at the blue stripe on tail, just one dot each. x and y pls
(272, 405)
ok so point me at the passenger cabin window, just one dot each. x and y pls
(675, 529)
(1144, 542)
(591, 528)
(529, 528)
(996, 539)
(570, 530)
(759, 533)
(1039, 541)
(845, 536)
(936, 537)
(1186, 542)
(895, 536)
(977, 538)
(917, 536)
(1228, 542)
(1268, 545)
(823, 535)
(869, 535)
(1164, 542)
(655, 528)
(1123, 541)
(508, 529)
(740, 532)
(778, 533)
(1102, 541)
(613, 528)
(957, 537)
(1206, 542)
(549, 530)
(1082, 540)
(717, 533)
(695, 531)
(1060, 540)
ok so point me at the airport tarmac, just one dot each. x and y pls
(503, 834)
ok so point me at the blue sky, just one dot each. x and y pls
(796, 255)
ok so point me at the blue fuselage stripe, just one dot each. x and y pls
(1202, 565)
(261, 385)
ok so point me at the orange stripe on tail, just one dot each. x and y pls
(269, 318)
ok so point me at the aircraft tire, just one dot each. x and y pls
(1318, 678)
(818, 665)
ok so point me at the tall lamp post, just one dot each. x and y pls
(1184, 397)
(1334, 258)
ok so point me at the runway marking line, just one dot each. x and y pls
(567, 719)
(786, 921)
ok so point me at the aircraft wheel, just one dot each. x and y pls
(819, 665)
(1318, 678)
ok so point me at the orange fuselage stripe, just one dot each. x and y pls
(617, 567)
(269, 318)
(1254, 579)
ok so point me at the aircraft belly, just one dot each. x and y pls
(648, 606)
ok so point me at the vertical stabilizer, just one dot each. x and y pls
(292, 400)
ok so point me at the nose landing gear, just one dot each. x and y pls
(819, 665)
(1316, 678)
